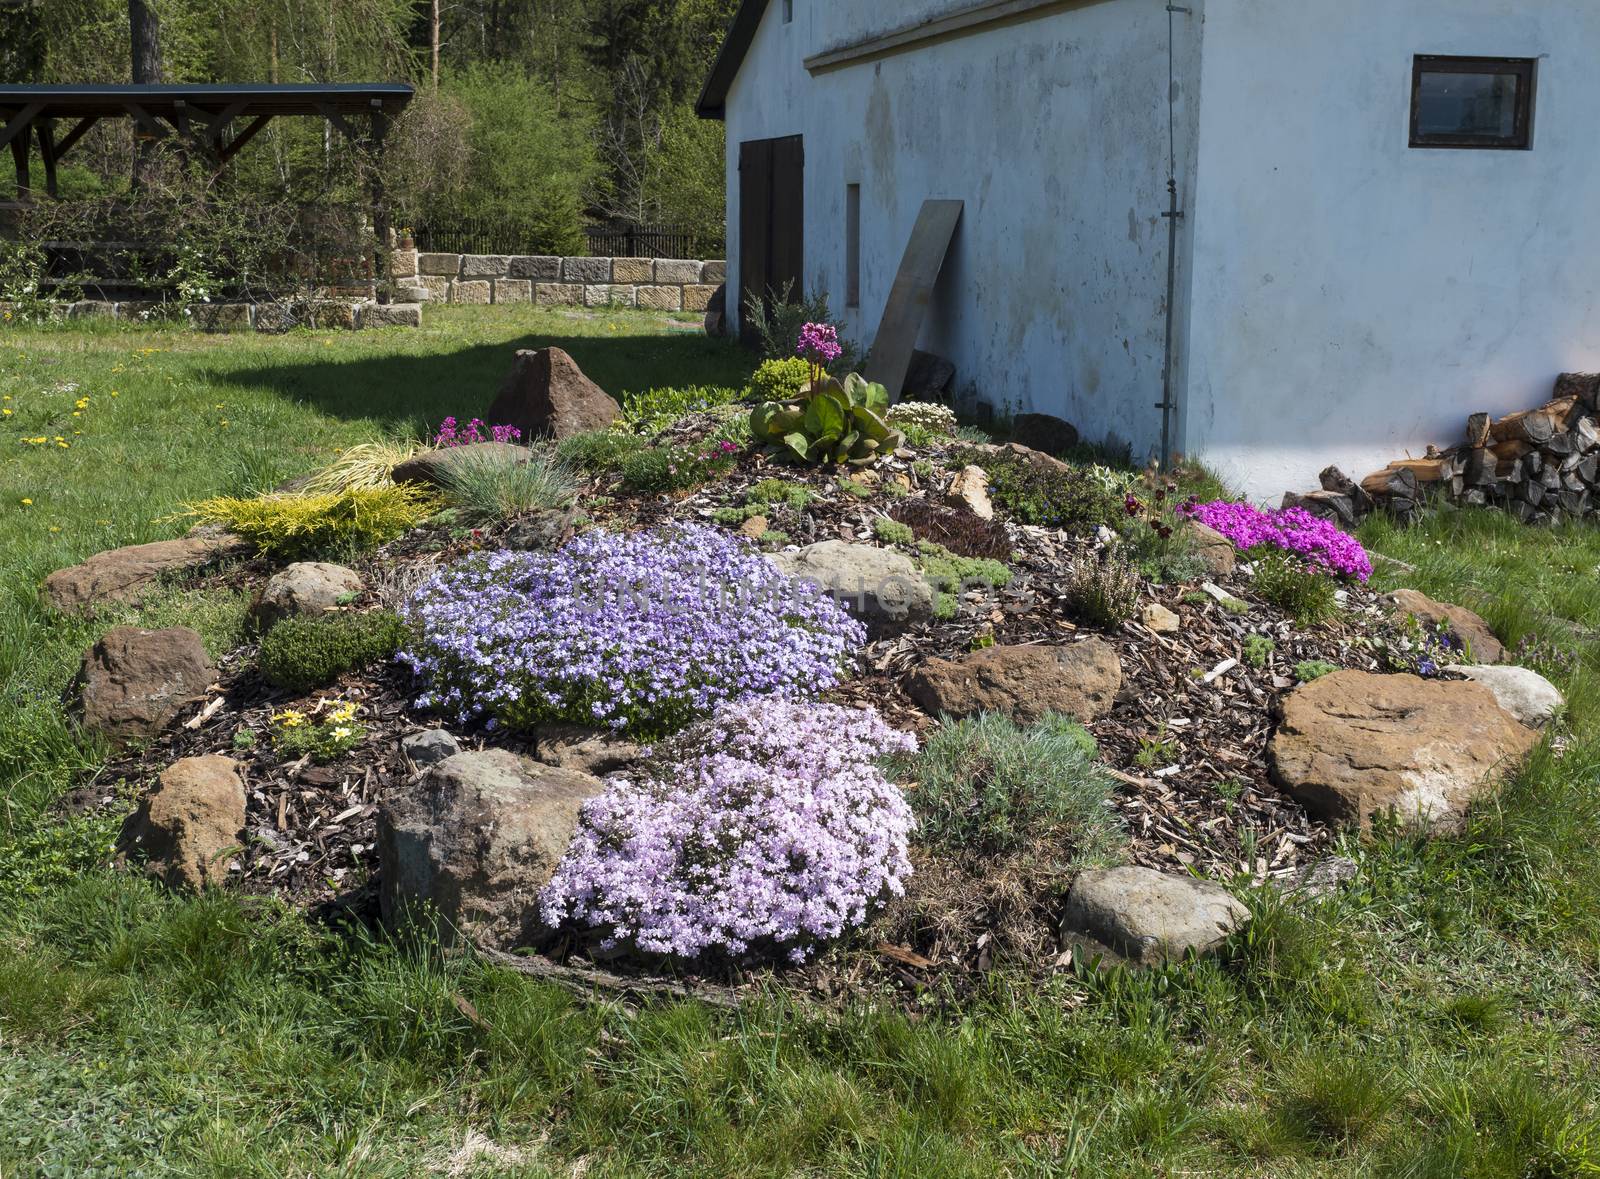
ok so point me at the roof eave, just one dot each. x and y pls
(713, 102)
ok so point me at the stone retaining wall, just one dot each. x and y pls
(335, 314)
(649, 284)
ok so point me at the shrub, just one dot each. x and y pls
(1304, 592)
(955, 529)
(297, 527)
(767, 827)
(987, 788)
(361, 467)
(779, 380)
(598, 451)
(645, 632)
(1104, 592)
(1293, 530)
(299, 654)
(656, 409)
(1051, 497)
(487, 484)
(322, 738)
(778, 320)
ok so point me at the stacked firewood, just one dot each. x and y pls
(1541, 465)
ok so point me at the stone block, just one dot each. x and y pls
(558, 294)
(476, 291)
(278, 317)
(91, 309)
(661, 298)
(391, 315)
(608, 295)
(483, 265)
(447, 265)
(412, 294)
(698, 298)
(332, 313)
(513, 290)
(714, 273)
(586, 270)
(220, 317)
(437, 286)
(403, 263)
(632, 270)
(535, 268)
(677, 271)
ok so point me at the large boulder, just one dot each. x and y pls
(1482, 646)
(1354, 745)
(472, 841)
(547, 395)
(430, 748)
(1022, 682)
(1151, 917)
(133, 682)
(1521, 691)
(191, 817)
(306, 588)
(588, 750)
(878, 585)
(1043, 431)
(431, 468)
(123, 575)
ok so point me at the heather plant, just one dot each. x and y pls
(1293, 530)
(644, 632)
(960, 531)
(655, 410)
(487, 485)
(301, 527)
(451, 433)
(1307, 593)
(300, 654)
(1102, 590)
(767, 828)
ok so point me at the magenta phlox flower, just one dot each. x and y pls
(1294, 530)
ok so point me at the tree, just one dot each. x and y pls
(144, 34)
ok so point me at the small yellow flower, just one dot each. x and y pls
(55, 528)
(64, 445)
(5, 413)
(342, 732)
(27, 503)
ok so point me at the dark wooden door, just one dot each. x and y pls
(771, 218)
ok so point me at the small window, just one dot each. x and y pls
(852, 245)
(1484, 102)
(788, 11)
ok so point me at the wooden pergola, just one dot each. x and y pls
(214, 121)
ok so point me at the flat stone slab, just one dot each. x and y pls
(1470, 628)
(875, 584)
(1353, 746)
(1151, 917)
(1521, 691)
(1079, 680)
(123, 575)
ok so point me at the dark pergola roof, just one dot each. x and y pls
(202, 116)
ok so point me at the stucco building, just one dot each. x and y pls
(1386, 211)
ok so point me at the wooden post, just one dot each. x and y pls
(47, 153)
(19, 154)
(382, 262)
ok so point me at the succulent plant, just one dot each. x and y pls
(832, 421)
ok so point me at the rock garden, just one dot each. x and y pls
(716, 688)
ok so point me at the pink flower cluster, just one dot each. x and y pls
(819, 344)
(452, 434)
(1294, 530)
(767, 827)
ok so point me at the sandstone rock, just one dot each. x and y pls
(306, 587)
(535, 268)
(632, 270)
(376, 315)
(1045, 432)
(133, 682)
(970, 490)
(429, 467)
(678, 271)
(513, 290)
(699, 296)
(877, 585)
(1151, 917)
(430, 748)
(558, 294)
(470, 843)
(484, 265)
(1521, 691)
(1482, 645)
(660, 298)
(477, 291)
(608, 294)
(546, 394)
(586, 271)
(1353, 745)
(1216, 552)
(122, 575)
(588, 750)
(193, 814)
(714, 271)
(1022, 682)
(1158, 618)
(440, 265)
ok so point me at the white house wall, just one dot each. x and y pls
(1355, 299)
(1054, 132)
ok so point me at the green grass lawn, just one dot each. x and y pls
(1440, 1018)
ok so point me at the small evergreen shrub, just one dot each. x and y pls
(1304, 592)
(655, 410)
(300, 654)
(488, 485)
(772, 492)
(957, 530)
(1103, 592)
(1033, 493)
(304, 527)
(950, 573)
(779, 380)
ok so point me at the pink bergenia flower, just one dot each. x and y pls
(819, 344)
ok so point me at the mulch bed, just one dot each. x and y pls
(1204, 804)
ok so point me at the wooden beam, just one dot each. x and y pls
(47, 153)
(251, 130)
(217, 124)
(153, 127)
(72, 137)
(19, 123)
(339, 121)
(890, 358)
